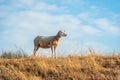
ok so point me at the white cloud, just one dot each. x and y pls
(33, 5)
(84, 16)
(71, 1)
(107, 25)
(93, 7)
(45, 6)
(90, 30)
(104, 25)
(22, 3)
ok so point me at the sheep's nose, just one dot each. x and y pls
(65, 34)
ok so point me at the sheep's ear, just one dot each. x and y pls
(59, 31)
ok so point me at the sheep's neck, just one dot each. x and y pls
(58, 37)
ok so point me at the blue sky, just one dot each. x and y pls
(88, 23)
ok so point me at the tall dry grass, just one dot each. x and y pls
(85, 67)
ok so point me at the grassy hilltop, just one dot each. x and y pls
(85, 67)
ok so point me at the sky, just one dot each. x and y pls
(88, 24)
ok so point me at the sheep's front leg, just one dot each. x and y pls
(55, 52)
(52, 49)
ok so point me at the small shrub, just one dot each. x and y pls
(16, 54)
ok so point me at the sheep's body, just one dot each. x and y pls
(45, 41)
(48, 42)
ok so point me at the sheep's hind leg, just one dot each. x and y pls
(35, 50)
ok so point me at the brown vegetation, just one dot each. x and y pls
(90, 67)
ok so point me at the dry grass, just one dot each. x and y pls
(90, 67)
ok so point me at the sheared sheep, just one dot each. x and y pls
(48, 42)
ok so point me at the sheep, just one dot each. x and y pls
(48, 42)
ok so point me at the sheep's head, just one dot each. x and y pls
(61, 33)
